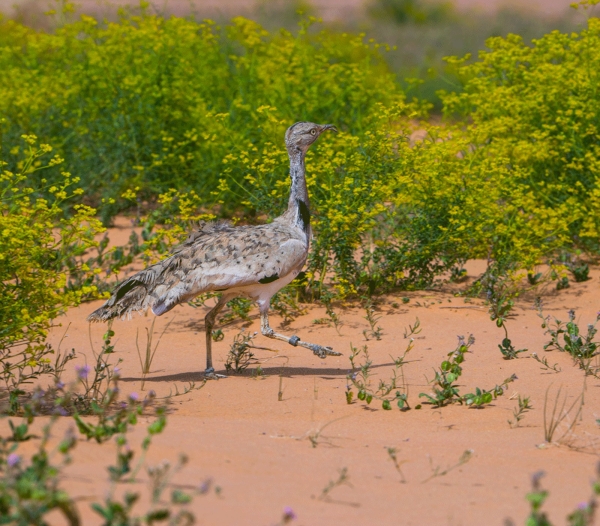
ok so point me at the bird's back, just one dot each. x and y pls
(217, 257)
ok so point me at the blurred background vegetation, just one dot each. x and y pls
(420, 32)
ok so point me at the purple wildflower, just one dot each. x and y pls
(12, 460)
(204, 488)
(82, 371)
(583, 506)
(60, 385)
(61, 411)
(149, 397)
(134, 397)
(288, 515)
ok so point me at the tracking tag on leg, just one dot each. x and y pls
(294, 341)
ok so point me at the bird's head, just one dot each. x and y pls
(301, 135)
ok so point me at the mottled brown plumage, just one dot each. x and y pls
(254, 261)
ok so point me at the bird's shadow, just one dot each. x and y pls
(286, 372)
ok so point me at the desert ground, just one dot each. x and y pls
(263, 454)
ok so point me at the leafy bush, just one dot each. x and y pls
(42, 272)
(538, 107)
(192, 115)
(392, 213)
(160, 103)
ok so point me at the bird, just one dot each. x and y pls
(252, 261)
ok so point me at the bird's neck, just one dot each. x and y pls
(298, 211)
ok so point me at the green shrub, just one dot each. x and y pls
(41, 268)
(538, 107)
(389, 213)
(160, 103)
(190, 115)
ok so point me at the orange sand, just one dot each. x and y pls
(256, 448)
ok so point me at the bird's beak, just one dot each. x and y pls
(326, 127)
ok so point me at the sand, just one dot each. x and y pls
(258, 449)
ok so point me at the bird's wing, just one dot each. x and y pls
(228, 258)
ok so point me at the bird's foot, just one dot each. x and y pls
(321, 351)
(210, 374)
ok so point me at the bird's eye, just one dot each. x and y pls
(313, 132)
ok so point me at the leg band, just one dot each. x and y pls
(294, 341)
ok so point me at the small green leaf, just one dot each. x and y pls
(179, 497)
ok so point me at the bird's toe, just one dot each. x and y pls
(210, 374)
(323, 352)
(330, 352)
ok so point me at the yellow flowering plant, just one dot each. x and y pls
(538, 108)
(161, 103)
(42, 266)
(187, 118)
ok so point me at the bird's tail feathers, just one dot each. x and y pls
(130, 296)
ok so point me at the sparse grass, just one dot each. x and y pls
(553, 420)
(392, 454)
(482, 397)
(445, 388)
(239, 310)
(119, 509)
(315, 436)
(523, 406)
(374, 330)
(343, 479)
(30, 481)
(501, 285)
(333, 317)
(146, 362)
(286, 304)
(437, 471)
(281, 388)
(544, 363)
(240, 356)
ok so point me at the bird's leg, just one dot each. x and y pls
(266, 330)
(209, 323)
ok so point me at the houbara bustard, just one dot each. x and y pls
(254, 261)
